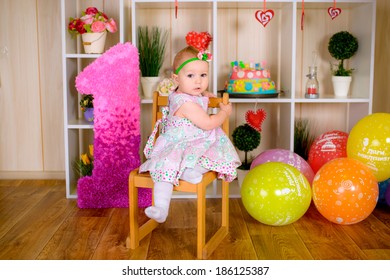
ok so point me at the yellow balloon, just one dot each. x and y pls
(369, 142)
(276, 193)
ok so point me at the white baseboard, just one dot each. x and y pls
(35, 175)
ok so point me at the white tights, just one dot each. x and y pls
(193, 175)
(162, 193)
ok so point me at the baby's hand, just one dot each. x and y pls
(226, 107)
(208, 94)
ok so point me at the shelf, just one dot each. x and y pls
(79, 124)
(333, 99)
(251, 4)
(260, 100)
(82, 55)
(244, 100)
(72, 196)
(324, 99)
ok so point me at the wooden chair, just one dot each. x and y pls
(143, 180)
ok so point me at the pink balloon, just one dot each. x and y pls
(286, 156)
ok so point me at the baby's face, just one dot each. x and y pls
(193, 78)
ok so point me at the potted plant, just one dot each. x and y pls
(342, 45)
(303, 138)
(245, 138)
(93, 26)
(86, 105)
(84, 165)
(151, 46)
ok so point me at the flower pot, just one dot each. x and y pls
(88, 115)
(94, 42)
(149, 85)
(341, 85)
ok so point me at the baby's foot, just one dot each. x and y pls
(156, 213)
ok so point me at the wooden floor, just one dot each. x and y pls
(38, 222)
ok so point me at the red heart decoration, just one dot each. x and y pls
(255, 120)
(200, 41)
(334, 12)
(264, 17)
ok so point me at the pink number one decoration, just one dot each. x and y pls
(112, 79)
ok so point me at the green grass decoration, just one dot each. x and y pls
(151, 47)
(303, 139)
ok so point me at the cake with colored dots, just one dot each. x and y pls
(250, 80)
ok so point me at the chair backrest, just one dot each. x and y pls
(162, 101)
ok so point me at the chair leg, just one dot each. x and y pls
(201, 220)
(133, 212)
(225, 204)
(222, 232)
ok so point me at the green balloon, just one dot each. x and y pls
(276, 193)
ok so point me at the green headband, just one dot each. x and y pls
(202, 55)
(184, 63)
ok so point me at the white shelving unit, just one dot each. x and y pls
(287, 49)
(78, 133)
(237, 35)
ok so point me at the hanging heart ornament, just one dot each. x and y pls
(334, 12)
(255, 119)
(264, 17)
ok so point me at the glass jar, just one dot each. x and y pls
(312, 83)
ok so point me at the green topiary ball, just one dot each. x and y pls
(342, 45)
(246, 138)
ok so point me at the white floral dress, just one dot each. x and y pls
(182, 145)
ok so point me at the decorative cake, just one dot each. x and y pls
(250, 80)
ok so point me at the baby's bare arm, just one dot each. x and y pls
(200, 118)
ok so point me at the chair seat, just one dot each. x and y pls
(143, 180)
